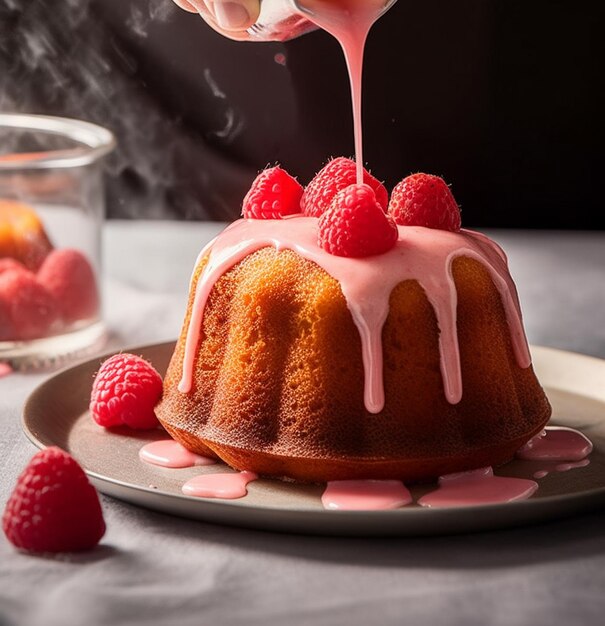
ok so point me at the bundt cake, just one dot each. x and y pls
(295, 362)
(22, 236)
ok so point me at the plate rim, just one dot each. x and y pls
(586, 500)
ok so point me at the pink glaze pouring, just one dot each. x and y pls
(169, 453)
(421, 254)
(349, 21)
(476, 488)
(227, 486)
(556, 443)
(365, 495)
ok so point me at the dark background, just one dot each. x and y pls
(501, 97)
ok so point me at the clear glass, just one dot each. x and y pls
(281, 20)
(52, 207)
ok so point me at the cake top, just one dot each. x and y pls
(355, 220)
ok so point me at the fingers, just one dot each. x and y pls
(184, 4)
(225, 16)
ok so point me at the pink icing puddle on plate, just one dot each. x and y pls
(5, 370)
(563, 467)
(169, 453)
(476, 488)
(556, 443)
(227, 486)
(365, 495)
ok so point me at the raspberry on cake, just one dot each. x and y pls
(356, 225)
(336, 175)
(424, 200)
(273, 195)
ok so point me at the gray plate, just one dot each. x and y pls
(56, 414)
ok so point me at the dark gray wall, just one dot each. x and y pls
(502, 98)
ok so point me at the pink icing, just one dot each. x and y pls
(169, 453)
(556, 443)
(476, 488)
(365, 495)
(422, 254)
(227, 486)
(349, 21)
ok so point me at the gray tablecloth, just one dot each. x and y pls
(156, 569)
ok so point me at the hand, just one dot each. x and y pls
(231, 18)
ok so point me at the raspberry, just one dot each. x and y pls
(10, 264)
(53, 507)
(424, 200)
(125, 392)
(274, 194)
(356, 225)
(335, 176)
(32, 310)
(69, 277)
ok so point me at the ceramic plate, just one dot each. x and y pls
(56, 414)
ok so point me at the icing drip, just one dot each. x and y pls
(365, 495)
(478, 487)
(227, 486)
(421, 254)
(556, 443)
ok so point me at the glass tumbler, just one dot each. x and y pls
(51, 213)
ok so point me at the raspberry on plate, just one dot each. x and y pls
(32, 310)
(273, 195)
(424, 200)
(335, 176)
(69, 277)
(53, 507)
(356, 225)
(125, 392)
